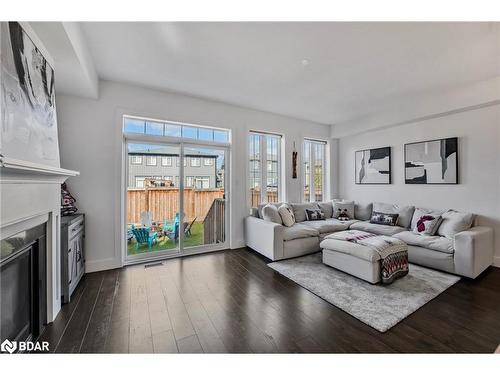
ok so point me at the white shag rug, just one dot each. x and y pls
(379, 306)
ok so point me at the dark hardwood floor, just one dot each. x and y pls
(230, 301)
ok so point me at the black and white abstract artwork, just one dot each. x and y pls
(373, 166)
(29, 124)
(432, 162)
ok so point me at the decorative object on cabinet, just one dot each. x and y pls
(72, 254)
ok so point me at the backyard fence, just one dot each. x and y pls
(163, 203)
(214, 229)
(272, 197)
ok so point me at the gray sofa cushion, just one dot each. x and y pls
(299, 210)
(363, 211)
(262, 205)
(327, 208)
(376, 228)
(350, 248)
(329, 225)
(436, 243)
(454, 222)
(270, 213)
(405, 212)
(299, 231)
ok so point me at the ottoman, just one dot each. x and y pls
(353, 258)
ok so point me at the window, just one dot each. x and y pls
(179, 161)
(166, 161)
(208, 161)
(151, 160)
(169, 129)
(189, 181)
(136, 159)
(202, 182)
(139, 182)
(264, 150)
(195, 162)
(314, 168)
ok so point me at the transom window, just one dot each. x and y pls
(170, 129)
(314, 168)
(264, 165)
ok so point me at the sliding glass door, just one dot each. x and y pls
(176, 199)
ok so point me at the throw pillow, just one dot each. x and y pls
(327, 208)
(342, 208)
(312, 215)
(287, 215)
(384, 219)
(419, 212)
(454, 222)
(405, 212)
(270, 213)
(427, 224)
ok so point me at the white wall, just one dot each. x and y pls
(479, 166)
(90, 142)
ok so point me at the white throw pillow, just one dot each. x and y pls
(427, 224)
(342, 208)
(270, 213)
(454, 222)
(287, 215)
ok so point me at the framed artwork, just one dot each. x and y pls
(29, 123)
(432, 162)
(373, 166)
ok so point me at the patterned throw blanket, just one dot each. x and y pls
(393, 252)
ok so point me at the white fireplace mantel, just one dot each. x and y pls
(20, 171)
(30, 194)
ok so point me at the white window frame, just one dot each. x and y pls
(151, 157)
(136, 160)
(203, 179)
(263, 164)
(166, 161)
(195, 162)
(208, 162)
(311, 169)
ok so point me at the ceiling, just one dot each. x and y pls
(351, 69)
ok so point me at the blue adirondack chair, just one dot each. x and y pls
(170, 227)
(143, 236)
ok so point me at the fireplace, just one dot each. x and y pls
(23, 272)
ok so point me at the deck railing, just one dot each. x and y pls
(214, 225)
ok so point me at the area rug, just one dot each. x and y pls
(379, 306)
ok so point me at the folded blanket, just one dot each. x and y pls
(392, 251)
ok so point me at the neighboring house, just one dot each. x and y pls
(200, 170)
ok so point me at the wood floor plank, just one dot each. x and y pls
(74, 333)
(189, 344)
(164, 342)
(94, 340)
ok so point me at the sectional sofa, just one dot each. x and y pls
(466, 253)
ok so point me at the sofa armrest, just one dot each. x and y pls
(473, 251)
(264, 237)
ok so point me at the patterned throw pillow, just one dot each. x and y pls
(312, 215)
(427, 224)
(384, 219)
(287, 215)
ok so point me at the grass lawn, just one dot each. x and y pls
(164, 243)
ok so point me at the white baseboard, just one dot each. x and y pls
(496, 261)
(102, 265)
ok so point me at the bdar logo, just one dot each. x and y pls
(8, 346)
